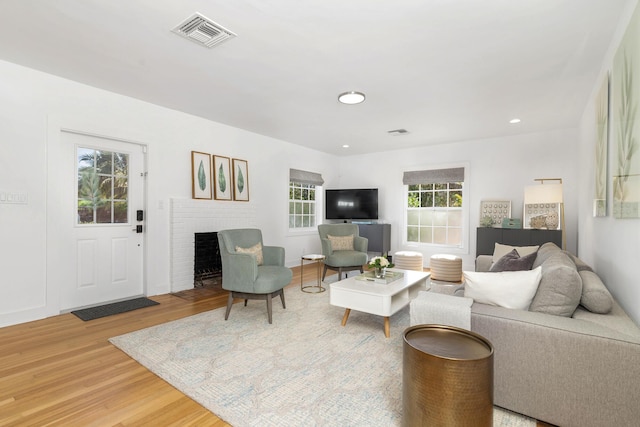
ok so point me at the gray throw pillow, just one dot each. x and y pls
(560, 288)
(595, 296)
(514, 262)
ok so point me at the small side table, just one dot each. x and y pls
(447, 377)
(319, 260)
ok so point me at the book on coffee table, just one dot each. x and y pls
(390, 276)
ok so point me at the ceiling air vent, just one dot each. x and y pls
(203, 31)
(398, 132)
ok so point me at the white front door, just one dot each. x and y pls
(102, 189)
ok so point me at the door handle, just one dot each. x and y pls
(137, 229)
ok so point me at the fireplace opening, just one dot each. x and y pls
(207, 268)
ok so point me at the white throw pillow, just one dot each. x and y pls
(500, 250)
(510, 289)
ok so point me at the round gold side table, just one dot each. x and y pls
(318, 259)
(447, 377)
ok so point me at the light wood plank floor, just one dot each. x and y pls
(63, 371)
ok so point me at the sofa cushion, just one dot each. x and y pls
(500, 250)
(560, 288)
(341, 243)
(514, 262)
(255, 250)
(580, 265)
(595, 296)
(509, 289)
(545, 252)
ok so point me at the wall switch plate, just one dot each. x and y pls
(14, 197)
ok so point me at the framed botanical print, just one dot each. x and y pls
(240, 180)
(222, 178)
(602, 149)
(200, 175)
(625, 122)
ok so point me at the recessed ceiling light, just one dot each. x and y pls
(514, 121)
(345, 146)
(351, 97)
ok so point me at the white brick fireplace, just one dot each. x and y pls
(190, 216)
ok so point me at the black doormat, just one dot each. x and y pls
(114, 308)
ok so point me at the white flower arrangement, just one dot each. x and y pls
(380, 262)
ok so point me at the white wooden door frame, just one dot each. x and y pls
(58, 245)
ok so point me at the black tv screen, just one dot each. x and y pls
(360, 203)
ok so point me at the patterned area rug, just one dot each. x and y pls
(303, 370)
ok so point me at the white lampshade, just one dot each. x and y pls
(543, 193)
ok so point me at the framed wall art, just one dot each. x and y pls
(493, 212)
(602, 148)
(625, 122)
(200, 175)
(222, 178)
(240, 180)
(543, 205)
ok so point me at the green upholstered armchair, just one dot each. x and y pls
(251, 273)
(341, 256)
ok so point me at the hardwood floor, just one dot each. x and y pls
(63, 371)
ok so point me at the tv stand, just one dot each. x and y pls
(379, 236)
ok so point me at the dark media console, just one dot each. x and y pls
(486, 238)
(379, 236)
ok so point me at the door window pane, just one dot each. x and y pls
(103, 186)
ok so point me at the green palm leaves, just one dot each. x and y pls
(222, 180)
(202, 177)
(240, 180)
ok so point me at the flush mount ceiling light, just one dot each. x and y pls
(514, 121)
(351, 97)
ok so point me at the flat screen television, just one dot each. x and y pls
(357, 203)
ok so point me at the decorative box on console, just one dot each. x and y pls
(511, 223)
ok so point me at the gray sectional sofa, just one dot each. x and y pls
(562, 363)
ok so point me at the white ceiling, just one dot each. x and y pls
(445, 70)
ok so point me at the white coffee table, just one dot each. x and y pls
(374, 298)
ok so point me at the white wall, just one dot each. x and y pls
(36, 104)
(611, 246)
(496, 169)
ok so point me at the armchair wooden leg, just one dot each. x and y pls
(282, 298)
(229, 304)
(324, 273)
(269, 307)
